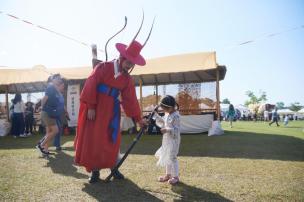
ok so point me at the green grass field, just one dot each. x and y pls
(251, 162)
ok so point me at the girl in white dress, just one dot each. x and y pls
(170, 128)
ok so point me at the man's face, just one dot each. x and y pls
(126, 66)
(59, 84)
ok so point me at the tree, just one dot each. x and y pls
(226, 101)
(295, 106)
(280, 105)
(253, 99)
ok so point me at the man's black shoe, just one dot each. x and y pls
(41, 150)
(94, 177)
(117, 175)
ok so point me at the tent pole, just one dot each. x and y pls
(94, 55)
(218, 111)
(140, 96)
(156, 93)
(6, 103)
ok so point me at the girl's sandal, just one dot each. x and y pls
(164, 178)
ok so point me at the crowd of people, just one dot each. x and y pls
(21, 115)
(268, 115)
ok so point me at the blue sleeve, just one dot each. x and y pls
(50, 91)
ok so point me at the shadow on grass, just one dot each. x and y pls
(118, 190)
(190, 193)
(291, 126)
(233, 144)
(63, 164)
(8, 142)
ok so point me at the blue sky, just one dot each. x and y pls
(271, 64)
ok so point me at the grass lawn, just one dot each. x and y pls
(251, 162)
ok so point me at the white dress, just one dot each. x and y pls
(167, 153)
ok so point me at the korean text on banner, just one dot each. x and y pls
(73, 96)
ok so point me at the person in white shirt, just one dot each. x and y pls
(266, 115)
(18, 117)
(286, 119)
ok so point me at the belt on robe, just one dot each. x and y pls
(113, 92)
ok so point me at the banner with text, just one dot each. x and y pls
(73, 104)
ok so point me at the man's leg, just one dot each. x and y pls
(116, 174)
(56, 141)
(95, 176)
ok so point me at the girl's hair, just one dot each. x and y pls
(231, 107)
(168, 101)
(17, 98)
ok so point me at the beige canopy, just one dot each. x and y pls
(187, 68)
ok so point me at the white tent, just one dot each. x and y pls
(301, 111)
(224, 107)
(243, 109)
(178, 69)
(285, 111)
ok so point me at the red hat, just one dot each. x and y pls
(132, 52)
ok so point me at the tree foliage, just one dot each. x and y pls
(226, 101)
(253, 99)
(280, 105)
(295, 106)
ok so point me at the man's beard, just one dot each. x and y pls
(125, 71)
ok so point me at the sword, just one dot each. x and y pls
(138, 136)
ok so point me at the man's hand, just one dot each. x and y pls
(91, 114)
(142, 123)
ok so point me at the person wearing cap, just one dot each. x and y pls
(98, 135)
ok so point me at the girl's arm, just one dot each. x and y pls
(159, 120)
(173, 127)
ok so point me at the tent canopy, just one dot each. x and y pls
(285, 111)
(186, 68)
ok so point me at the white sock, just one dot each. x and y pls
(175, 169)
(168, 169)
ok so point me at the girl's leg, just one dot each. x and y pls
(175, 169)
(174, 179)
(166, 177)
